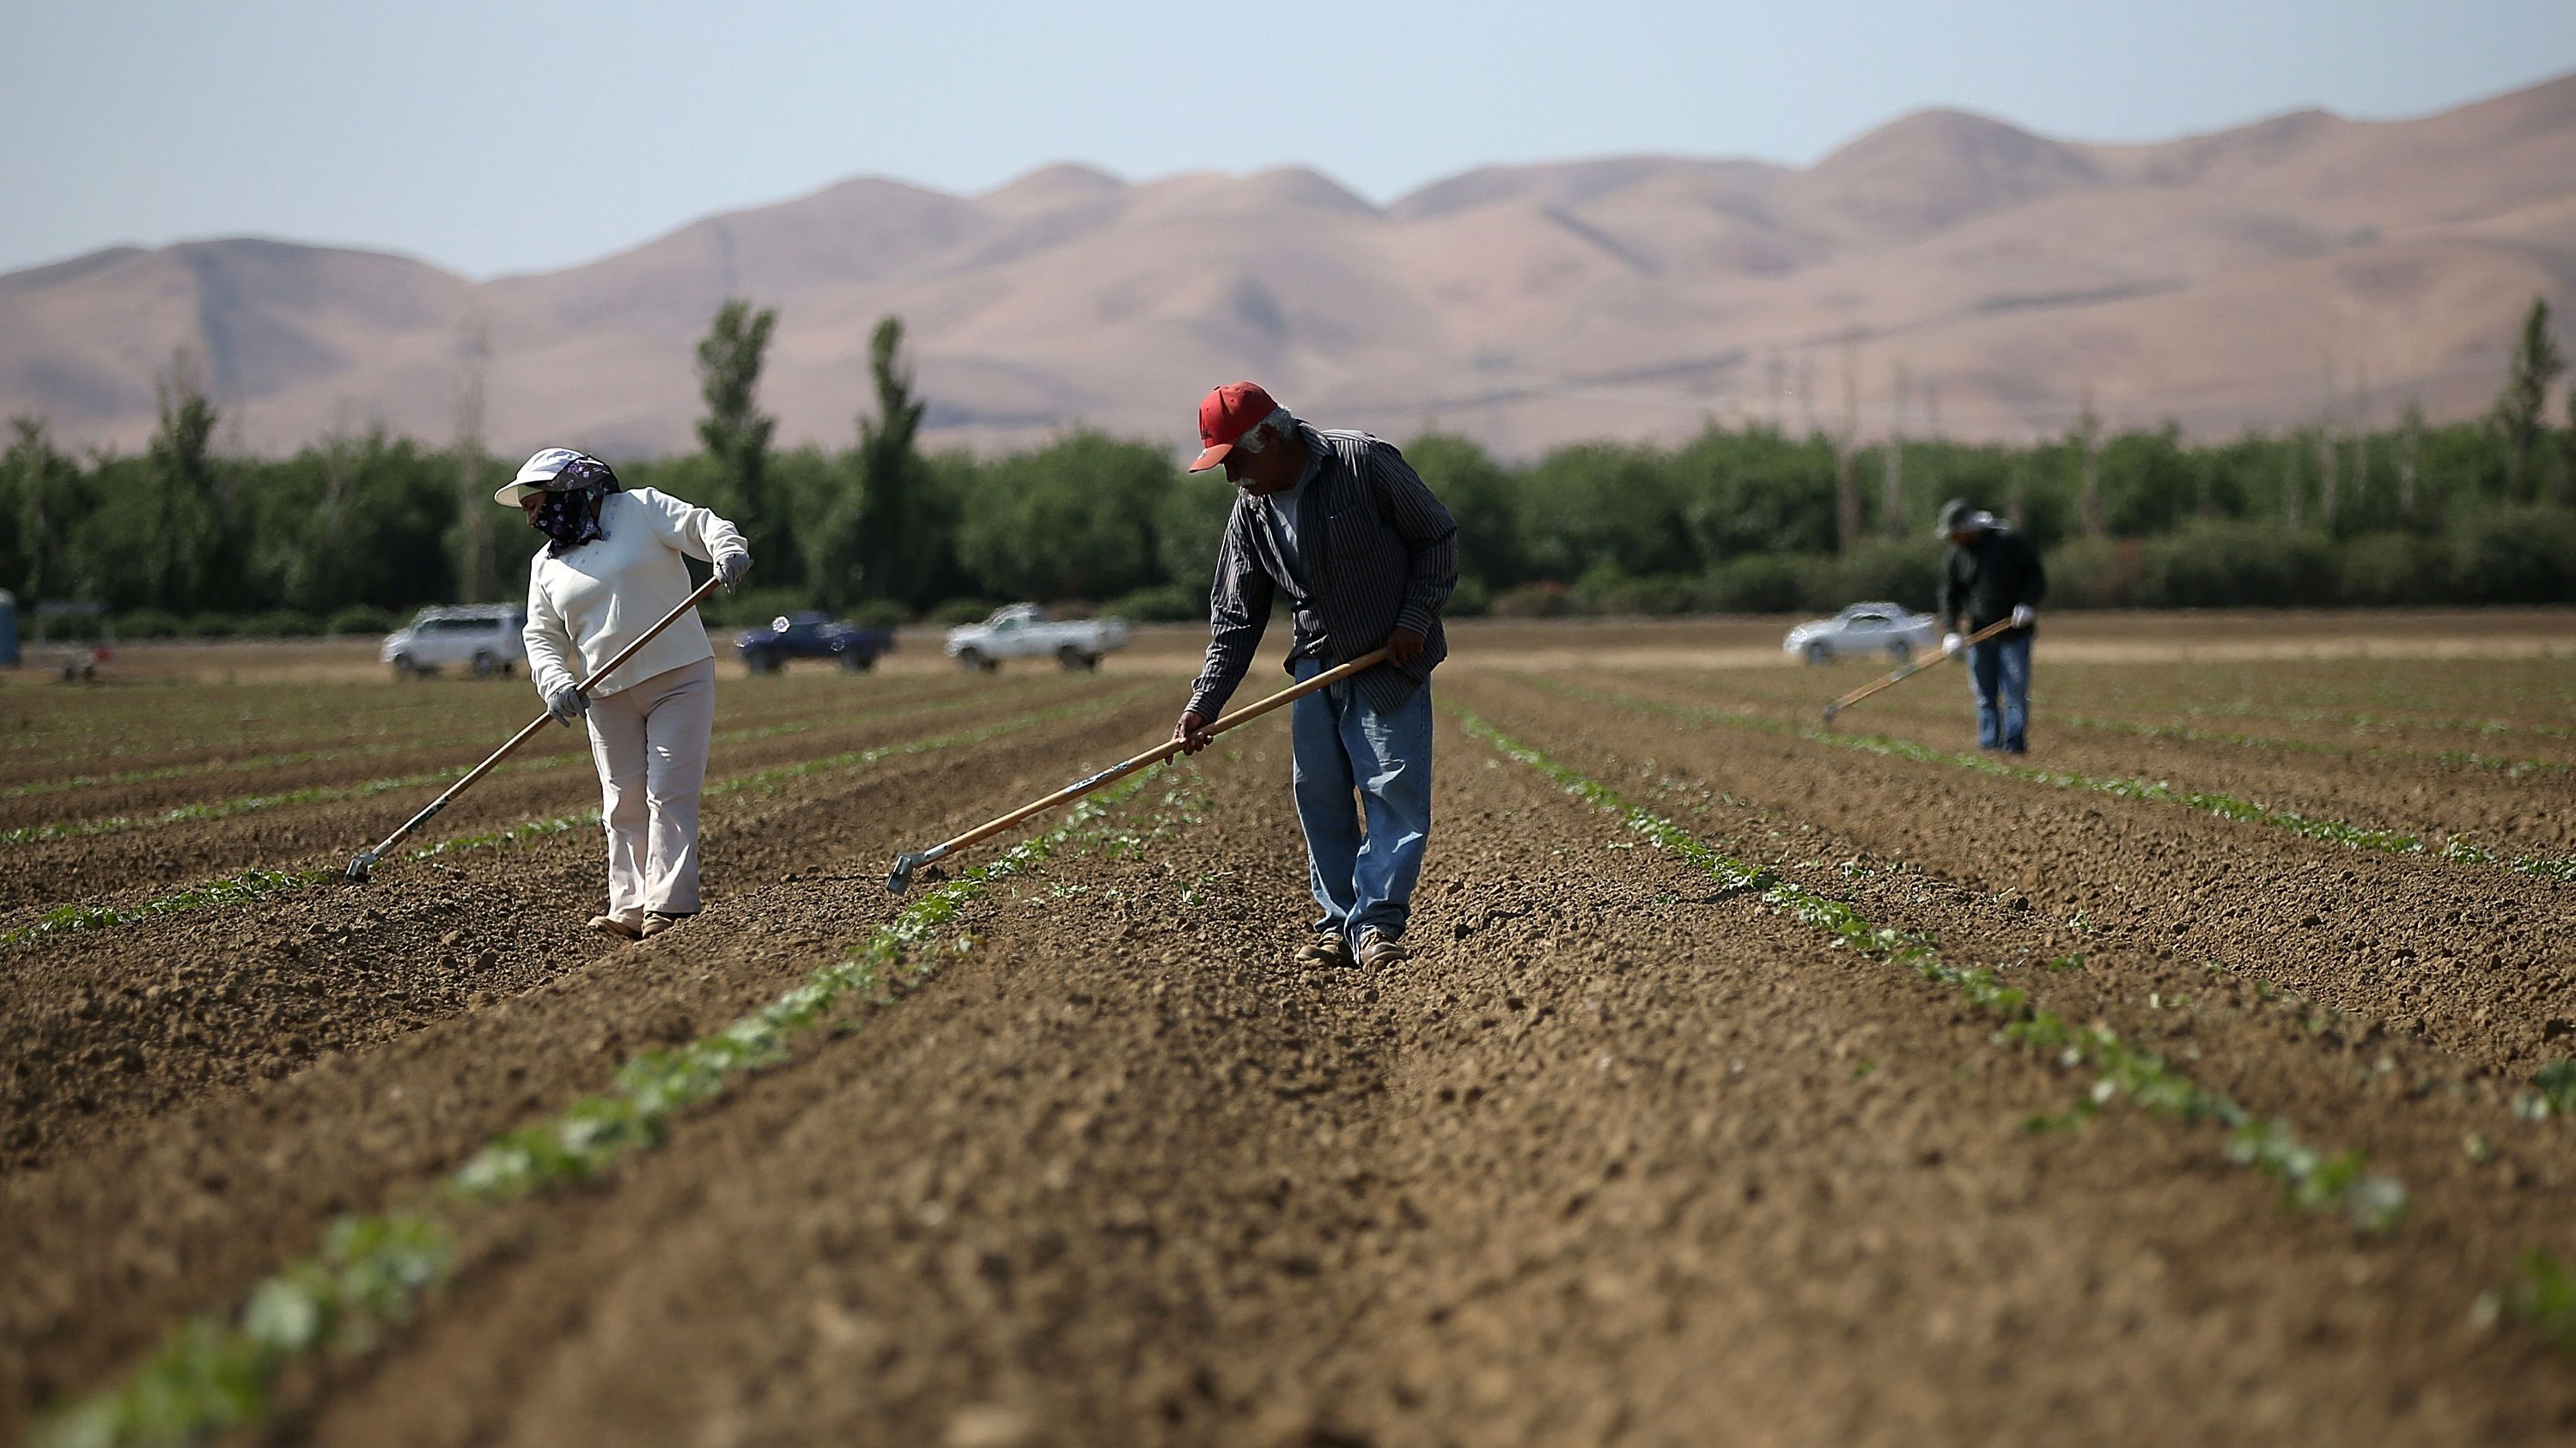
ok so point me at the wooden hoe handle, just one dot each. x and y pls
(1909, 669)
(907, 864)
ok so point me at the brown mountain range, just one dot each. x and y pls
(1965, 276)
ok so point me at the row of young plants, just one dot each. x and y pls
(2512, 768)
(266, 730)
(256, 885)
(2351, 836)
(91, 828)
(371, 1272)
(2313, 1179)
(2369, 721)
(2541, 1289)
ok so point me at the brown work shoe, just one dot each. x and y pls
(1327, 948)
(611, 925)
(655, 922)
(1379, 948)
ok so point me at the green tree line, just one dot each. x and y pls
(354, 531)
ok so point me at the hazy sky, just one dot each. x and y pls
(493, 137)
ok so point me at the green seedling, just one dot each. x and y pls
(2546, 1298)
(2553, 1093)
(2350, 836)
(2312, 1180)
(214, 1375)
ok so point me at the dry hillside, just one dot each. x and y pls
(1971, 276)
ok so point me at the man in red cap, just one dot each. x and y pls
(1339, 525)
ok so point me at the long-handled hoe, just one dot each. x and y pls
(1905, 671)
(365, 860)
(905, 864)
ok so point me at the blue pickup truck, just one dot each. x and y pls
(811, 636)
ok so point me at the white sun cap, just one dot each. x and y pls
(535, 474)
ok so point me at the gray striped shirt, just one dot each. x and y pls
(1379, 553)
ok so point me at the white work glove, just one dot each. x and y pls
(567, 704)
(1951, 643)
(2024, 615)
(730, 567)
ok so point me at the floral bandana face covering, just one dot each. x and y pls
(568, 512)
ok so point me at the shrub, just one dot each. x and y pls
(752, 607)
(881, 613)
(1469, 599)
(2515, 555)
(961, 610)
(1542, 599)
(1758, 583)
(2388, 569)
(1609, 591)
(149, 623)
(281, 623)
(2227, 564)
(360, 620)
(213, 626)
(1171, 603)
(2096, 573)
(1893, 570)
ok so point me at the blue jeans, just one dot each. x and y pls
(1362, 881)
(1999, 670)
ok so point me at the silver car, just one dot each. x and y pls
(1864, 628)
(484, 639)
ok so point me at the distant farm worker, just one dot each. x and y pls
(1991, 574)
(1339, 525)
(610, 570)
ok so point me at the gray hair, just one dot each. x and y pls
(1278, 424)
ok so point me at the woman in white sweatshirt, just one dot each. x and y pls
(610, 570)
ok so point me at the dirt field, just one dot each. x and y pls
(2199, 1078)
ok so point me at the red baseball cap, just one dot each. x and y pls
(1225, 415)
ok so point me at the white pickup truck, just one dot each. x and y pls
(1022, 632)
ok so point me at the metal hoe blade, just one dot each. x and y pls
(360, 865)
(904, 865)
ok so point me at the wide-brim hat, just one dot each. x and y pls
(1959, 515)
(538, 475)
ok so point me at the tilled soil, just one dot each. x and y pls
(2519, 814)
(1617, 1158)
(1623, 1155)
(131, 1020)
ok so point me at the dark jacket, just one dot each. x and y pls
(1988, 578)
(1382, 554)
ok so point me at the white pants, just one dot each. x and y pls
(650, 740)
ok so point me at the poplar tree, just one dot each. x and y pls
(2518, 411)
(735, 432)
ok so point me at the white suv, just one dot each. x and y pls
(483, 637)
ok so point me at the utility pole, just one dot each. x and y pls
(1778, 377)
(474, 523)
(2328, 457)
(1847, 452)
(2410, 453)
(2088, 432)
(1807, 392)
(1891, 483)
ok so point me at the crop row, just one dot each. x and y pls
(2351, 836)
(65, 829)
(2510, 766)
(215, 1374)
(2120, 1069)
(2542, 1293)
(259, 884)
(451, 733)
